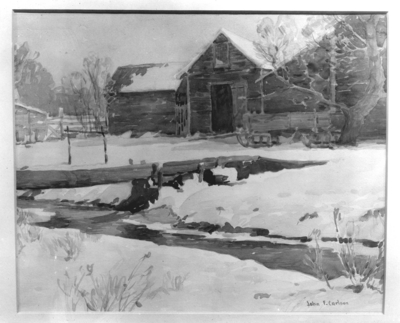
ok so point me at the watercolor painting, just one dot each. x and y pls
(200, 163)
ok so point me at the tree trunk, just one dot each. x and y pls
(351, 128)
(354, 118)
(332, 74)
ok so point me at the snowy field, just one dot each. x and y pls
(89, 153)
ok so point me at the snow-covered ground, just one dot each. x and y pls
(353, 180)
(89, 153)
(214, 282)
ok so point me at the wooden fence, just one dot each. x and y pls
(181, 119)
(86, 124)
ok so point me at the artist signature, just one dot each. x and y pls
(327, 303)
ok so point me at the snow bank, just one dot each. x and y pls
(353, 181)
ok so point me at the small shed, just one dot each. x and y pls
(144, 98)
(30, 123)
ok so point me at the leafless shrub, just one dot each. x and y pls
(369, 274)
(362, 273)
(314, 259)
(170, 283)
(26, 233)
(67, 247)
(108, 293)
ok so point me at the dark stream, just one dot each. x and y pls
(101, 220)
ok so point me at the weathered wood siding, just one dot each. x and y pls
(143, 112)
(241, 73)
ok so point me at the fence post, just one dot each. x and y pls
(160, 177)
(176, 123)
(29, 126)
(201, 172)
(69, 147)
(105, 145)
(61, 115)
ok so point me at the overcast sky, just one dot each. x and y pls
(63, 40)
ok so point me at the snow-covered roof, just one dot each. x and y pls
(147, 77)
(244, 45)
(30, 108)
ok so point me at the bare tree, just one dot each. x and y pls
(278, 45)
(373, 28)
(22, 56)
(80, 96)
(33, 84)
(345, 42)
(97, 75)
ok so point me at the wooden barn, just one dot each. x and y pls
(227, 86)
(229, 82)
(144, 99)
(30, 123)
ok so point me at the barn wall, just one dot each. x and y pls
(200, 96)
(143, 112)
(240, 72)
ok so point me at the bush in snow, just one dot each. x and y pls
(171, 283)
(67, 247)
(26, 233)
(314, 260)
(107, 293)
(362, 273)
(369, 274)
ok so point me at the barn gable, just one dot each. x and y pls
(226, 51)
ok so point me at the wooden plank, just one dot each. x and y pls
(177, 167)
(282, 121)
(80, 178)
(181, 166)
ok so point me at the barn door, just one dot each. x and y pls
(222, 108)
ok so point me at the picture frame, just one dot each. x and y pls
(8, 267)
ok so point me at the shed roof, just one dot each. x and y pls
(28, 108)
(244, 45)
(146, 77)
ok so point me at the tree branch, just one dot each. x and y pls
(350, 28)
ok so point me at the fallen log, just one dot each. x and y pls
(245, 165)
(45, 179)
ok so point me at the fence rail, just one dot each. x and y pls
(58, 125)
